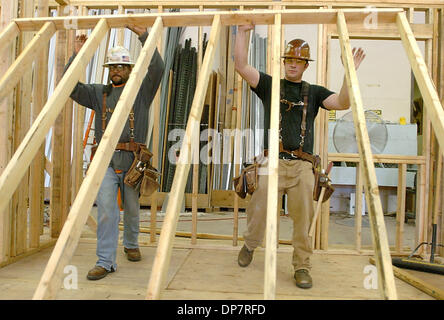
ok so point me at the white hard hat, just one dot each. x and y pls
(118, 55)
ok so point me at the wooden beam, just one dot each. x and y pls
(156, 142)
(70, 235)
(195, 145)
(378, 158)
(273, 166)
(358, 206)
(175, 19)
(379, 233)
(58, 204)
(22, 122)
(163, 254)
(400, 212)
(34, 138)
(384, 32)
(8, 35)
(62, 2)
(102, 4)
(78, 149)
(416, 282)
(425, 84)
(8, 12)
(37, 181)
(23, 62)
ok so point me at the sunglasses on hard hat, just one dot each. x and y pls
(117, 67)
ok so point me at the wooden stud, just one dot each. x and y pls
(400, 212)
(70, 235)
(78, 144)
(379, 233)
(323, 79)
(23, 62)
(358, 206)
(8, 34)
(273, 166)
(438, 192)
(37, 181)
(237, 145)
(196, 144)
(120, 31)
(22, 120)
(59, 200)
(156, 128)
(163, 254)
(8, 12)
(429, 145)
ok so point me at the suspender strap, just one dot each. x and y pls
(103, 113)
(128, 146)
(304, 93)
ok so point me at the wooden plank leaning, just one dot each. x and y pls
(70, 235)
(273, 166)
(379, 234)
(164, 248)
(24, 61)
(25, 153)
(422, 76)
(11, 31)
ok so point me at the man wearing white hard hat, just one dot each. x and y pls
(103, 99)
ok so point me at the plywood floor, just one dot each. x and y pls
(206, 271)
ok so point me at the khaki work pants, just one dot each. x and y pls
(296, 179)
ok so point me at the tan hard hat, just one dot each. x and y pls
(118, 55)
(297, 48)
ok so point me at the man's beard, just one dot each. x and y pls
(118, 82)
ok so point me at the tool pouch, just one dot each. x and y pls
(136, 173)
(150, 181)
(322, 180)
(246, 182)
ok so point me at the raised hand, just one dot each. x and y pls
(136, 29)
(80, 41)
(246, 27)
(358, 57)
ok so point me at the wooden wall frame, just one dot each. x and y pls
(70, 234)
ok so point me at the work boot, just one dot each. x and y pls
(133, 254)
(98, 273)
(245, 256)
(303, 279)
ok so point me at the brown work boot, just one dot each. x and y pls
(98, 273)
(245, 256)
(303, 279)
(133, 254)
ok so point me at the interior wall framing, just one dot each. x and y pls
(24, 25)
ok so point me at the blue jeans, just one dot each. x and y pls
(108, 218)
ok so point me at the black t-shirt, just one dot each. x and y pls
(291, 120)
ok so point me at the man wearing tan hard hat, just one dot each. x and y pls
(103, 99)
(300, 103)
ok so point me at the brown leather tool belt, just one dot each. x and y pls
(128, 146)
(294, 155)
